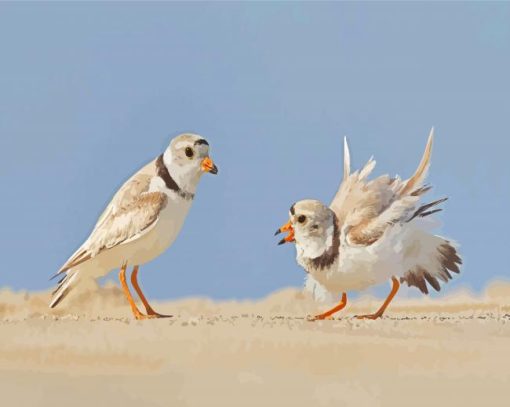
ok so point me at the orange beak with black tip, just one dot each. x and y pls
(286, 228)
(208, 166)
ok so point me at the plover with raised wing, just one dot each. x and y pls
(373, 231)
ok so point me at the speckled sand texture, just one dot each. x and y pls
(449, 352)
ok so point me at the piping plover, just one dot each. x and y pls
(372, 231)
(142, 220)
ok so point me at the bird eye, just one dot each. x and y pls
(301, 218)
(189, 152)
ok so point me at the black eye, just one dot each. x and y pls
(301, 218)
(189, 152)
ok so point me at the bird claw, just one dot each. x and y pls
(141, 317)
(369, 316)
(320, 317)
(157, 315)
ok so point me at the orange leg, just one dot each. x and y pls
(122, 277)
(327, 314)
(150, 312)
(380, 311)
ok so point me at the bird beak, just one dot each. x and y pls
(286, 228)
(208, 166)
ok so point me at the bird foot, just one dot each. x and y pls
(158, 315)
(320, 317)
(140, 316)
(369, 316)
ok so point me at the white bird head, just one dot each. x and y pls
(311, 225)
(187, 159)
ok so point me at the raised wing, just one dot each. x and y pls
(365, 209)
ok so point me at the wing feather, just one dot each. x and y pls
(421, 172)
(365, 209)
(369, 231)
(128, 193)
(347, 159)
(129, 223)
(79, 257)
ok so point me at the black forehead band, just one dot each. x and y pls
(292, 210)
(201, 141)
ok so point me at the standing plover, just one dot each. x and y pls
(373, 231)
(142, 220)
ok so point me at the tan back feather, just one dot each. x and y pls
(125, 196)
(129, 191)
(128, 223)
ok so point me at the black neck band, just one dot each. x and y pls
(170, 183)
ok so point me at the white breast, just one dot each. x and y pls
(161, 237)
(360, 267)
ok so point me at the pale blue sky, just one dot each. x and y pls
(90, 92)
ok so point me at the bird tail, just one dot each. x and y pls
(434, 258)
(64, 286)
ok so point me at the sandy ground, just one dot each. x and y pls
(454, 351)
